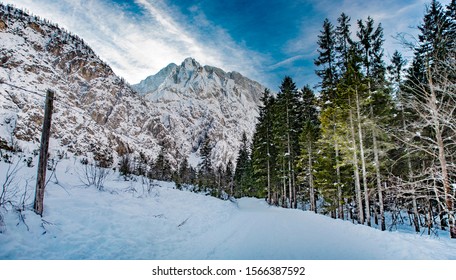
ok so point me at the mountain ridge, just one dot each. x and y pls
(110, 119)
(226, 101)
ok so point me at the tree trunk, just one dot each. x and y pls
(355, 167)
(410, 176)
(377, 173)
(269, 170)
(446, 183)
(363, 161)
(416, 214)
(313, 205)
(339, 187)
(442, 159)
(284, 193)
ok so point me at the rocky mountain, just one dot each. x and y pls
(98, 114)
(194, 101)
(95, 112)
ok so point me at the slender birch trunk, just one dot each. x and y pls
(442, 159)
(313, 205)
(355, 167)
(363, 160)
(378, 176)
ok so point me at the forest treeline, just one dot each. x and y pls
(379, 136)
(376, 137)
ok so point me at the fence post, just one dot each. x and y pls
(44, 146)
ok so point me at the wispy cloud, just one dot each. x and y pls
(286, 62)
(138, 45)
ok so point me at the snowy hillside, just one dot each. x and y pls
(194, 101)
(97, 113)
(142, 219)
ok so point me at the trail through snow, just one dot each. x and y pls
(128, 221)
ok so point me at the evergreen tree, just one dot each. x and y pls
(263, 152)
(307, 142)
(124, 165)
(243, 179)
(327, 56)
(435, 38)
(371, 42)
(161, 169)
(229, 178)
(344, 43)
(205, 168)
(184, 172)
(287, 132)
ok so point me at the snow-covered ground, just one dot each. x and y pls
(138, 220)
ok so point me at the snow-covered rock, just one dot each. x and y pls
(193, 101)
(97, 112)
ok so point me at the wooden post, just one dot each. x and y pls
(42, 163)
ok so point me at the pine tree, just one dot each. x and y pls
(205, 168)
(286, 132)
(344, 43)
(184, 172)
(435, 34)
(161, 169)
(371, 41)
(350, 87)
(307, 142)
(229, 177)
(327, 56)
(263, 152)
(396, 70)
(243, 177)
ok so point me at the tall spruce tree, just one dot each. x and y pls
(371, 51)
(327, 58)
(243, 178)
(344, 43)
(263, 152)
(307, 141)
(205, 169)
(287, 137)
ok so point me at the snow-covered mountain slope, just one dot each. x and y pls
(193, 101)
(96, 112)
(138, 220)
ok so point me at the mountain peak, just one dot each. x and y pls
(192, 102)
(190, 63)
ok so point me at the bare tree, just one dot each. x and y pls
(434, 102)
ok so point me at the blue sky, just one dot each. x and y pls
(262, 39)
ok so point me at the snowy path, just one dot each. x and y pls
(258, 231)
(83, 223)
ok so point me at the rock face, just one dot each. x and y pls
(194, 101)
(95, 111)
(98, 114)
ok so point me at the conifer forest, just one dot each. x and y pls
(377, 137)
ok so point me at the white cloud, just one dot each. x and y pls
(136, 46)
(286, 62)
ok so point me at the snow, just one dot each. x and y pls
(200, 101)
(194, 160)
(138, 219)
